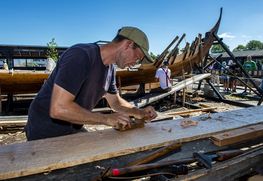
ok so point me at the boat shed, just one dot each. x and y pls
(257, 55)
(26, 57)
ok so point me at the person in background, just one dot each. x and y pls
(232, 79)
(225, 76)
(249, 65)
(163, 75)
(84, 74)
(5, 66)
(259, 65)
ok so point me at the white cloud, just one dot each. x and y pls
(246, 36)
(227, 35)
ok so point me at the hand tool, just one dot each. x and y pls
(134, 123)
(207, 159)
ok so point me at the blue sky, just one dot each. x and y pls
(36, 22)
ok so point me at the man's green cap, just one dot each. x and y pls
(138, 37)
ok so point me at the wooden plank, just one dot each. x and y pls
(61, 152)
(19, 123)
(12, 118)
(22, 120)
(191, 111)
(238, 135)
(143, 101)
(0, 99)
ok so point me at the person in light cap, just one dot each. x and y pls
(83, 75)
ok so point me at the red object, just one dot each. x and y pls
(115, 172)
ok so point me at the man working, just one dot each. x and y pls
(249, 66)
(83, 75)
(163, 75)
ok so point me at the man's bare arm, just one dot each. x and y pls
(64, 107)
(121, 105)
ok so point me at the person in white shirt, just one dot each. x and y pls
(163, 75)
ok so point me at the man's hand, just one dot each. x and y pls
(118, 120)
(147, 113)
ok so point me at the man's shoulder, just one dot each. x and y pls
(85, 46)
(160, 70)
(84, 50)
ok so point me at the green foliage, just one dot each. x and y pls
(254, 45)
(153, 56)
(52, 51)
(239, 48)
(217, 49)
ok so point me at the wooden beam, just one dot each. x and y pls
(0, 99)
(143, 101)
(238, 135)
(18, 123)
(12, 121)
(61, 152)
(191, 111)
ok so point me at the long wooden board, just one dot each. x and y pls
(238, 135)
(55, 153)
(143, 101)
(6, 121)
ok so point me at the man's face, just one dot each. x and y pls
(129, 56)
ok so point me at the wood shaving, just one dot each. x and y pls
(188, 122)
(167, 129)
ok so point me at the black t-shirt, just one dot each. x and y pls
(81, 72)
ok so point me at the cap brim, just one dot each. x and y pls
(147, 57)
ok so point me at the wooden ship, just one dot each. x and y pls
(21, 81)
(24, 81)
(179, 64)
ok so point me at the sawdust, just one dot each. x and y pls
(11, 138)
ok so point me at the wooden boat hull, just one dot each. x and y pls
(22, 81)
(182, 63)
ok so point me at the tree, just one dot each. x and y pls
(153, 56)
(254, 45)
(52, 51)
(217, 49)
(239, 48)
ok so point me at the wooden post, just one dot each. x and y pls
(119, 82)
(175, 97)
(0, 100)
(183, 102)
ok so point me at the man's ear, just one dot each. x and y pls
(127, 44)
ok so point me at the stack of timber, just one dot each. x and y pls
(45, 155)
